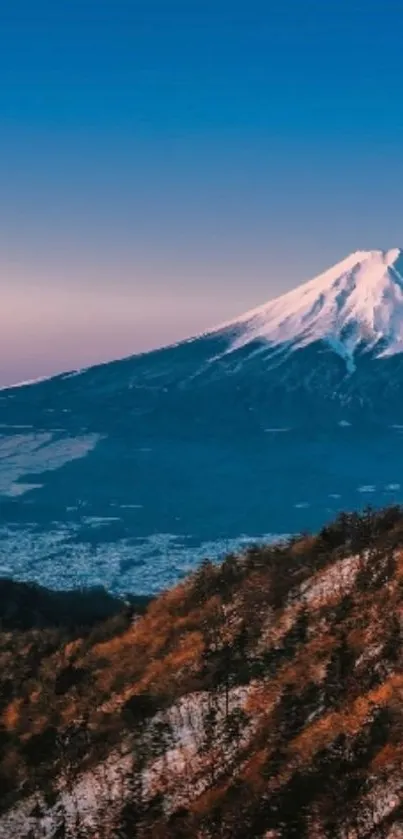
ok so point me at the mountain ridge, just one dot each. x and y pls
(259, 698)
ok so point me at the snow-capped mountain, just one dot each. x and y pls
(128, 473)
(357, 303)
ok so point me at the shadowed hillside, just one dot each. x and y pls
(259, 698)
(26, 606)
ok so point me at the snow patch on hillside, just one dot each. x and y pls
(27, 454)
(95, 796)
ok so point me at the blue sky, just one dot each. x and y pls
(165, 165)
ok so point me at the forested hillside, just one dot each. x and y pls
(258, 698)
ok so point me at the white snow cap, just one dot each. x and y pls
(357, 302)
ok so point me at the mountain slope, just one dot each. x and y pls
(357, 303)
(261, 698)
(129, 473)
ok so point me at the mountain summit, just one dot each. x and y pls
(356, 304)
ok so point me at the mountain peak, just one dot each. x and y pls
(356, 303)
(378, 258)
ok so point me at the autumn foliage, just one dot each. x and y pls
(262, 697)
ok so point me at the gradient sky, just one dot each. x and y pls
(167, 164)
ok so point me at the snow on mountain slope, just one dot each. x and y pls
(357, 303)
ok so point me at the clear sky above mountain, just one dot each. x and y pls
(166, 165)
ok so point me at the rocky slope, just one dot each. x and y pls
(259, 698)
